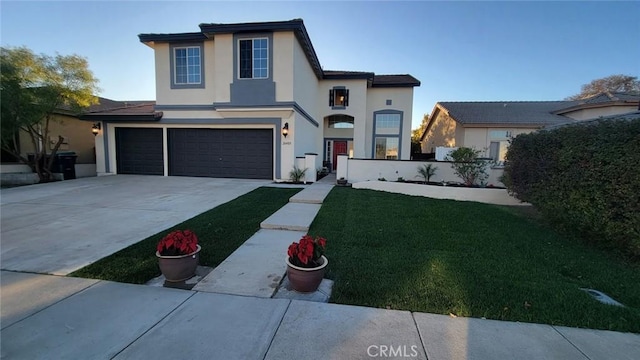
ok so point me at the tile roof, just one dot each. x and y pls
(606, 97)
(536, 113)
(129, 110)
(128, 107)
(342, 74)
(632, 116)
(403, 80)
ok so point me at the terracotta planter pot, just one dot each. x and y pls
(306, 279)
(179, 268)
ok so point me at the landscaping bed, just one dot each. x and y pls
(220, 232)
(469, 259)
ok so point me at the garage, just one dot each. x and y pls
(139, 151)
(223, 153)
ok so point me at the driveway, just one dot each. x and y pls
(60, 227)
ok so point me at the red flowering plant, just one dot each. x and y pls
(178, 242)
(307, 253)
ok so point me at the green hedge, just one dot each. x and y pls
(585, 178)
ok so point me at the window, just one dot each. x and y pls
(388, 124)
(187, 65)
(341, 122)
(254, 58)
(387, 148)
(339, 97)
(387, 135)
(499, 144)
(497, 150)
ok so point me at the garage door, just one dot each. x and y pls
(139, 151)
(225, 153)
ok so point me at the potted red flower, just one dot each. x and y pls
(178, 255)
(306, 263)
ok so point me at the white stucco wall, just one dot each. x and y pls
(371, 170)
(402, 100)
(593, 113)
(357, 109)
(307, 139)
(305, 83)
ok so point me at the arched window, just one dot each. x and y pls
(341, 122)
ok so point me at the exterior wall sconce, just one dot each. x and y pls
(285, 129)
(95, 129)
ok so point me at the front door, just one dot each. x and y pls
(339, 147)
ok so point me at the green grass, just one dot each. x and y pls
(469, 259)
(220, 231)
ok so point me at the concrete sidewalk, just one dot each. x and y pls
(89, 319)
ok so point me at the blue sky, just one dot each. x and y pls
(460, 51)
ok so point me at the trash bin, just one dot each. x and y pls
(66, 164)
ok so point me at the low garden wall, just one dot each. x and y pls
(483, 195)
(358, 170)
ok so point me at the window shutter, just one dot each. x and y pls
(331, 97)
(346, 97)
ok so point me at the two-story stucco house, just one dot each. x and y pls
(244, 100)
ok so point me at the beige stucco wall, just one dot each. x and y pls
(480, 138)
(283, 64)
(402, 100)
(357, 109)
(222, 68)
(165, 95)
(441, 133)
(77, 134)
(593, 113)
(475, 138)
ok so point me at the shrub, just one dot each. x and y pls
(585, 178)
(426, 171)
(468, 165)
(296, 174)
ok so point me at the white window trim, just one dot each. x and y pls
(239, 60)
(175, 65)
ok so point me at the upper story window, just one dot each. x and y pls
(188, 65)
(254, 58)
(387, 124)
(339, 97)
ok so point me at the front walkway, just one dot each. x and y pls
(256, 268)
(52, 317)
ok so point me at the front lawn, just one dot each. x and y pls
(468, 259)
(220, 232)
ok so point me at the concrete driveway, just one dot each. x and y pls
(60, 227)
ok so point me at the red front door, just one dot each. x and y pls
(339, 147)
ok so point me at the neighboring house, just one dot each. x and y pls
(244, 100)
(77, 135)
(488, 126)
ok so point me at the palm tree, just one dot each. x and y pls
(426, 171)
